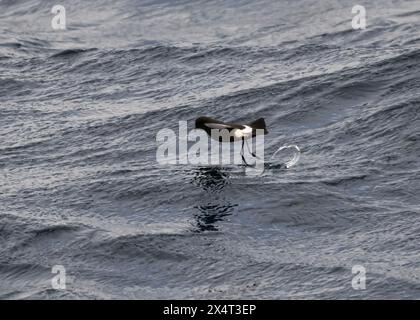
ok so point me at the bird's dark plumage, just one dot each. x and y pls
(237, 131)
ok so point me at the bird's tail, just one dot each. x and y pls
(259, 124)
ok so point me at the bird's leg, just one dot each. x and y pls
(250, 151)
(242, 152)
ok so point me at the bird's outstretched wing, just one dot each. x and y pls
(221, 126)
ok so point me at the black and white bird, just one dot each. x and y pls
(236, 131)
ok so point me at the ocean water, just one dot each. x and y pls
(80, 185)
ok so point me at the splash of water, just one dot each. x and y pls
(293, 160)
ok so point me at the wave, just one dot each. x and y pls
(80, 110)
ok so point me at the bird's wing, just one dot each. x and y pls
(221, 126)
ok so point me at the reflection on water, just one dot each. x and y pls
(215, 206)
(211, 179)
(210, 214)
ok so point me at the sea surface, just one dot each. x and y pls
(80, 186)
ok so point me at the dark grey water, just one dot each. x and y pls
(80, 185)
